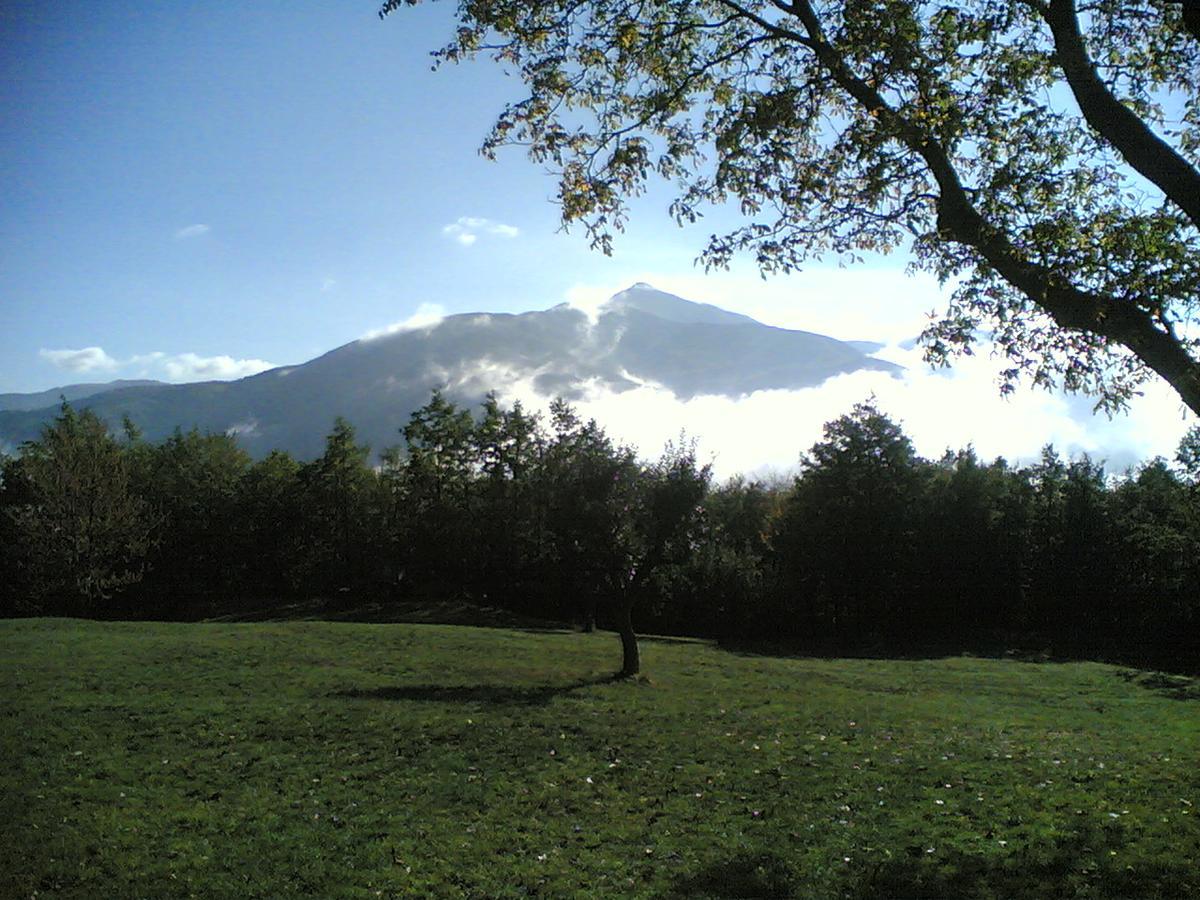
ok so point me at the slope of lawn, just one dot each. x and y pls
(337, 760)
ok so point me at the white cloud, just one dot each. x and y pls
(191, 231)
(467, 229)
(88, 359)
(172, 366)
(327, 285)
(939, 409)
(428, 315)
(248, 428)
(193, 367)
(145, 359)
(589, 300)
(951, 407)
(768, 430)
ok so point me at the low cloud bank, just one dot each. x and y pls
(171, 367)
(428, 315)
(938, 409)
(765, 432)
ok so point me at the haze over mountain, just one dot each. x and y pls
(640, 337)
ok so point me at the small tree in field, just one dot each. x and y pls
(586, 483)
(669, 494)
(615, 524)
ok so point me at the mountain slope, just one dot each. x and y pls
(70, 392)
(640, 336)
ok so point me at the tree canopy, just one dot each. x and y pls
(1041, 156)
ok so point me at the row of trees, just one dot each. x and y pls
(557, 521)
(871, 548)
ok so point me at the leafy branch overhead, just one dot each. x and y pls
(1040, 156)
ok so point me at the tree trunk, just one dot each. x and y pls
(631, 658)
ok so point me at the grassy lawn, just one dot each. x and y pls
(330, 760)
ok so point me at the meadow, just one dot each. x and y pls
(323, 759)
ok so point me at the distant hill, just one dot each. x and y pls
(71, 392)
(641, 335)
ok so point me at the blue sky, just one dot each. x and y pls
(260, 181)
(202, 190)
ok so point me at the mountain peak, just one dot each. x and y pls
(646, 298)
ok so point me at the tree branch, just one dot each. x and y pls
(767, 25)
(959, 220)
(1145, 151)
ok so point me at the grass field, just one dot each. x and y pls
(330, 760)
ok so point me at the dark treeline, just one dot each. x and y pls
(870, 549)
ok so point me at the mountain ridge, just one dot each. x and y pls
(640, 336)
(69, 392)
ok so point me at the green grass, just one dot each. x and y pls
(328, 760)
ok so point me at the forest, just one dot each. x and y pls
(870, 549)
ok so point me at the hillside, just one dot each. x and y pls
(72, 393)
(315, 759)
(641, 335)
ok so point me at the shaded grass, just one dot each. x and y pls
(318, 759)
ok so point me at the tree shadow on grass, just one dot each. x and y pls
(486, 694)
(390, 612)
(1180, 680)
(672, 639)
(795, 649)
(761, 875)
(1090, 862)
(1173, 687)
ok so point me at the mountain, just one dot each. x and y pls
(644, 298)
(640, 336)
(70, 392)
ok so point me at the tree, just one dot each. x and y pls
(1040, 154)
(971, 547)
(193, 480)
(657, 535)
(335, 487)
(587, 484)
(1188, 455)
(1158, 539)
(79, 532)
(721, 593)
(511, 545)
(845, 539)
(433, 478)
(1072, 551)
(272, 514)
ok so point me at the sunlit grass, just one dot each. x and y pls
(316, 759)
